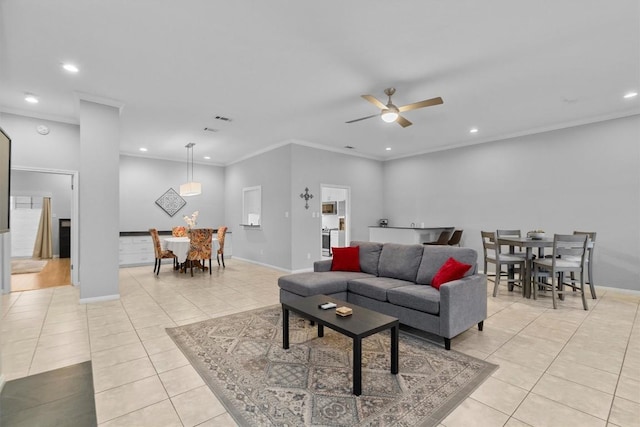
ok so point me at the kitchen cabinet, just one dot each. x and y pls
(342, 208)
(136, 250)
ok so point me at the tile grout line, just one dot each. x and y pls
(556, 357)
(157, 374)
(633, 326)
(33, 356)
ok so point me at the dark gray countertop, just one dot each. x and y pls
(410, 228)
(160, 232)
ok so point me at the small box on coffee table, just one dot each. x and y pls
(344, 311)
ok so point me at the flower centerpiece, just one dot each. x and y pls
(191, 220)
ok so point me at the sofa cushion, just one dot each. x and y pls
(374, 287)
(369, 256)
(416, 297)
(307, 284)
(435, 256)
(400, 261)
(346, 259)
(450, 270)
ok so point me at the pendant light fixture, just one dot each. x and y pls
(191, 188)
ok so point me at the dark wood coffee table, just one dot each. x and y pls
(362, 323)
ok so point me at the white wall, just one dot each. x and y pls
(289, 237)
(143, 181)
(271, 243)
(311, 168)
(60, 149)
(582, 178)
(99, 201)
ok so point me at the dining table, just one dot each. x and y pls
(529, 243)
(180, 248)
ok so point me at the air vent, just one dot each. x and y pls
(224, 119)
(348, 147)
(211, 130)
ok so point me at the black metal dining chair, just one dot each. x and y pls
(455, 238)
(443, 239)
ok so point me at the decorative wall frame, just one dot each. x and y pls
(171, 202)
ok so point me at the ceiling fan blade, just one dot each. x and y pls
(362, 118)
(421, 104)
(403, 122)
(372, 99)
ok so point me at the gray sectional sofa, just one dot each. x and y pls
(395, 280)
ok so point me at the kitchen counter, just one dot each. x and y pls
(406, 235)
(415, 228)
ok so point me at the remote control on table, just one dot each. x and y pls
(327, 305)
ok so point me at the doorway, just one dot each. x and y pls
(335, 228)
(33, 184)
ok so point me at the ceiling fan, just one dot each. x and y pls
(390, 113)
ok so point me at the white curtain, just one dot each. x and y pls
(43, 248)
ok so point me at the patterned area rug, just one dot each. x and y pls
(22, 266)
(241, 358)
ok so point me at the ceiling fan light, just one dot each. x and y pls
(389, 116)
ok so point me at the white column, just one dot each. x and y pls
(5, 261)
(99, 212)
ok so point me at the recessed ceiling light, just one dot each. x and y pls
(143, 149)
(388, 148)
(631, 95)
(207, 157)
(70, 68)
(31, 99)
(473, 130)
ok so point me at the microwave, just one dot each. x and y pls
(329, 208)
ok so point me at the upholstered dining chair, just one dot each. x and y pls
(569, 256)
(455, 238)
(160, 254)
(493, 255)
(179, 231)
(589, 259)
(200, 247)
(222, 232)
(443, 239)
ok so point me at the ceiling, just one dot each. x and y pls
(287, 70)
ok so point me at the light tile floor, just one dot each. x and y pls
(557, 367)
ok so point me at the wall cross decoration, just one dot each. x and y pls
(306, 196)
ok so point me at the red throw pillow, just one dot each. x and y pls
(346, 259)
(450, 270)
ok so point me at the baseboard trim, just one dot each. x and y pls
(99, 299)
(621, 290)
(250, 261)
(604, 288)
